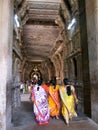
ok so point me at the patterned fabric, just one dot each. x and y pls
(41, 109)
(54, 102)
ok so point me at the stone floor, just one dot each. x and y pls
(24, 120)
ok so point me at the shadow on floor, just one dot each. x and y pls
(24, 115)
(24, 120)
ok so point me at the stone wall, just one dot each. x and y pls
(6, 38)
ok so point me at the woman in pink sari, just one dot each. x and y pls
(39, 96)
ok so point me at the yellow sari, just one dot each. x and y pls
(68, 110)
(54, 102)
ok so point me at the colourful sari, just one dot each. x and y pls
(68, 110)
(41, 109)
(54, 102)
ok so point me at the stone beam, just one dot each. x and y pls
(36, 52)
(57, 1)
(43, 12)
(42, 17)
(35, 59)
(38, 22)
(35, 45)
(44, 5)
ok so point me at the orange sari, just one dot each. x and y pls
(54, 102)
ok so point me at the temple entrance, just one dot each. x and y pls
(35, 73)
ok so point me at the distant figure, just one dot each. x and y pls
(69, 98)
(21, 87)
(54, 99)
(34, 82)
(24, 89)
(39, 97)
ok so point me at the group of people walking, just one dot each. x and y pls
(53, 100)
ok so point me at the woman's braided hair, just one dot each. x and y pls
(66, 82)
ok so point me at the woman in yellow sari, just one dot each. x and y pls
(54, 99)
(69, 98)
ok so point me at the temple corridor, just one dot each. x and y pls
(49, 39)
(24, 119)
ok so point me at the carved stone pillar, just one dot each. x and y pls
(85, 58)
(92, 32)
(6, 36)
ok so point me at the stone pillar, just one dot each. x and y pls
(92, 32)
(85, 58)
(6, 33)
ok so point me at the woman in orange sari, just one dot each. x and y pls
(54, 100)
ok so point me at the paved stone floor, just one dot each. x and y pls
(24, 120)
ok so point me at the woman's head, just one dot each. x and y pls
(53, 82)
(39, 82)
(65, 81)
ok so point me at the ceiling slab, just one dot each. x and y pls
(39, 39)
(43, 10)
(57, 1)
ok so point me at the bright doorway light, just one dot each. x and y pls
(17, 20)
(73, 21)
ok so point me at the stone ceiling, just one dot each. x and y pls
(43, 10)
(39, 40)
(40, 31)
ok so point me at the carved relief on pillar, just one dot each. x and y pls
(16, 82)
(16, 70)
(74, 5)
(56, 63)
(59, 22)
(51, 69)
(17, 2)
(23, 9)
(23, 12)
(56, 57)
(61, 59)
(20, 17)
